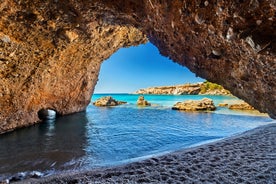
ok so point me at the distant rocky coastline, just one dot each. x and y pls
(205, 88)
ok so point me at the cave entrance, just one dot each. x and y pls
(133, 68)
(47, 114)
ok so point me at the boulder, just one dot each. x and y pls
(142, 102)
(241, 106)
(107, 101)
(205, 104)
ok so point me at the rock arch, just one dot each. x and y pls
(51, 51)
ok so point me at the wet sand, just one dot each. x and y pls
(246, 158)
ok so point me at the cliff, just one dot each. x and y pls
(50, 57)
(51, 51)
(205, 88)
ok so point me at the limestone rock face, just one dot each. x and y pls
(108, 101)
(50, 56)
(172, 90)
(142, 102)
(185, 89)
(205, 104)
(51, 51)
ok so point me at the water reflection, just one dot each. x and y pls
(51, 145)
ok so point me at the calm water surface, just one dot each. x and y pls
(111, 136)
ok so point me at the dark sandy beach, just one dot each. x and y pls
(246, 158)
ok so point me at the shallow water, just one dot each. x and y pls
(116, 135)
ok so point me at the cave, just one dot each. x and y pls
(47, 114)
(51, 51)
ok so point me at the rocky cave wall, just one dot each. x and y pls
(50, 58)
(51, 51)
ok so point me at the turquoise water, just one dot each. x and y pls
(167, 101)
(104, 136)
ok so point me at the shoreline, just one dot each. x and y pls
(249, 157)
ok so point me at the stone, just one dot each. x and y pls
(205, 104)
(142, 102)
(71, 40)
(241, 106)
(107, 101)
(223, 104)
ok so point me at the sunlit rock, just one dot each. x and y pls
(223, 104)
(142, 102)
(205, 104)
(241, 106)
(107, 101)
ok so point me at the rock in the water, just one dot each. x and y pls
(108, 101)
(241, 106)
(223, 104)
(205, 104)
(142, 102)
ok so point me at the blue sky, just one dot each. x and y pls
(133, 68)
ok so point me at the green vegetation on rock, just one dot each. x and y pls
(209, 86)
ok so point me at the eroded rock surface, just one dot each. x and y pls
(107, 101)
(241, 106)
(51, 51)
(50, 56)
(142, 102)
(205, 104)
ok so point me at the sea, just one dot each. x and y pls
(111, 136)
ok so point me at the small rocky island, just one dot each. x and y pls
(142, 102)
(205, 88)
(107, 101)
(205, 104)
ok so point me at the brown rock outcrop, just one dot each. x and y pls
(107, 101)
(51, 51)
(50, 56)
(223, 104)
(142, 102)
(205, 104)
(241, 106)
